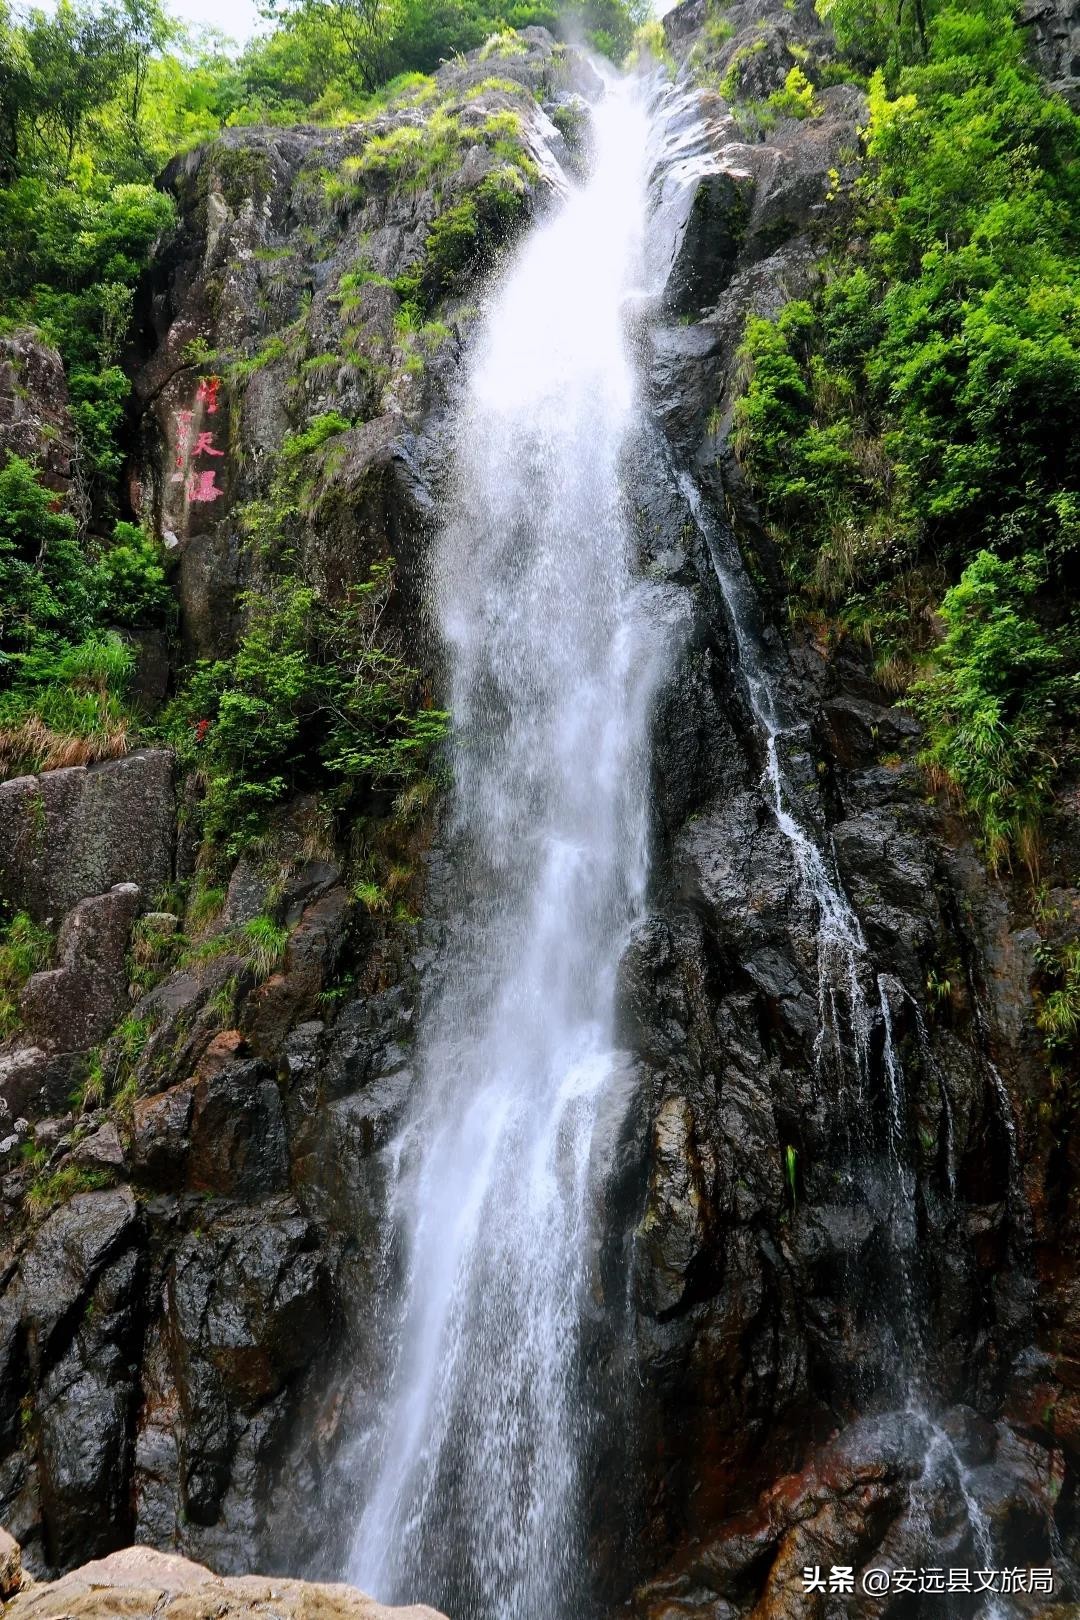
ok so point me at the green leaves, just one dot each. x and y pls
(989, 701)
(309, 700)
(129, 580)
(919, 420)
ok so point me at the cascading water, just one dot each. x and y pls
(844, 970)
(554, 649)
(844, 967)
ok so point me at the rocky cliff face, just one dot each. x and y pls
(189, 1322)
(772, 1301)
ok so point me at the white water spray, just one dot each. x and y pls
(554, 651)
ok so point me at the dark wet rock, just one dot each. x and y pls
(220, 1132)
(183, 1015)
(248, 893)
(674, 1227)
(291, 995)
(65, 1257)
(237, 1134)
(101, 1150)
(712, 237)
(78, 1300)
(77, 832)
(33, 1083)
(160, 1136)
(247, 1308)
(868, 1499)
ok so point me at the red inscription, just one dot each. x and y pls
(202, 487)
(199, 485)
(208, 394)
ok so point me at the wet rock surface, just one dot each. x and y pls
(1053, 28)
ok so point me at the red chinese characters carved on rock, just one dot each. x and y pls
(200, 483)
(207, 394)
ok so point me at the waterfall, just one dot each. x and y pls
(554, 649)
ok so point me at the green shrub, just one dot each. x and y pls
(129, 580)
(1058, 1014)
(796, 99)
(264, 942)
(309, 700)
(67, 705)
(988, 703)
(25, 948)
(46, 590)
(315, 435)
(50, 1191)
(916, 423)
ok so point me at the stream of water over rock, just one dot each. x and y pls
(474, 1476)
(554, 650)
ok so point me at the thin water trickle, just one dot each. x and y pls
(843, 965)
(554, 648)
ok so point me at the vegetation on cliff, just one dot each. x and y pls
(912, 429)
(96, 97)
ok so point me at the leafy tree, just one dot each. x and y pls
(76, 61)
(872, 33)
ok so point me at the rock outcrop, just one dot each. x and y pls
(141, 1584)
(35, 418)
(76, 832)
(1053, 28)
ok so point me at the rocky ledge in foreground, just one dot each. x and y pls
(139, 1582)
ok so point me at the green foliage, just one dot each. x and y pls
(129, 580)
(989, 703)
(796, 99)
(417, 155)
(264, 942)
(25, 948)
(791, 1159)
(1058, 1014)
(874, 33)
(45, 586)
(110, 1076)
(206, 903)
(917, 423)
(66, 707)
(63, 673)
(74, 252)
(315, 435)
(155, 944)
(310, 699)
(48, 1192)
(465, 238)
